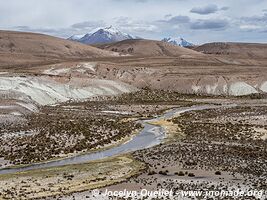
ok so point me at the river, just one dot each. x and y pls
(149, 136)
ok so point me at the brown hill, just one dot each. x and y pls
(19, 48)
(143, 47)
(238, 50)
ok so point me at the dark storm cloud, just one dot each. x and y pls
(209, 24)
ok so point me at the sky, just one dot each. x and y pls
(198, 21)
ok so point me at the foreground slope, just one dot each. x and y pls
(19, 48)
(237, 50)
(141, 47)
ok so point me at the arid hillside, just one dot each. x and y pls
(19, 48)
(188, 75)
(238, 50)
(65, 70)
(142, 47)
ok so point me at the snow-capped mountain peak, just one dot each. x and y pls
(178, 42)
(111, 30)
(103, 35)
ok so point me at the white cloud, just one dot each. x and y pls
(146, 18)
(250, 27)
(205, 10)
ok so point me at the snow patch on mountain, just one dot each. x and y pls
(178, 42)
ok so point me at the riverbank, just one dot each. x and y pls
(150, 135)
(68, 179)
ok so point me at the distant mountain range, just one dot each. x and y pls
(111, 34)
(178, 42)
(102, 35)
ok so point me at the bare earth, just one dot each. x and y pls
(60, 99)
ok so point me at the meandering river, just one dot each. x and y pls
(149, 136)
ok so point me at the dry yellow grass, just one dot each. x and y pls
(172, 130)
(67, 179)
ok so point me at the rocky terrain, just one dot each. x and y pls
(61, 99)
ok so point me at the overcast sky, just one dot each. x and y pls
(198, 21)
